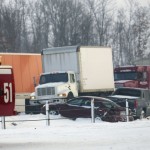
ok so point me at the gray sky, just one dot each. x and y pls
(142, 2)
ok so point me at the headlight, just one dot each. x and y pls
(62, 95)
(32, 97)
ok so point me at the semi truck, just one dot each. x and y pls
(72, 71)
(136, 76)
(27, 68)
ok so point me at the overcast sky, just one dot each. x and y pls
(142, 2)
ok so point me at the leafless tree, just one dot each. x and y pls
(102, 14)
(38, 28)
(68, 22)
(140, 27)
(30, 26)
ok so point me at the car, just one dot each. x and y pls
(80, 107)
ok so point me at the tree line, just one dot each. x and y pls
(30, 26)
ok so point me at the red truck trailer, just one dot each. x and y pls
(132, 76)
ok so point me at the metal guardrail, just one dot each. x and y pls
(36, 110)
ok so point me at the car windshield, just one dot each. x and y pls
(87, 102)
(80, 101)
(125, 76)
(55, 77)
(75, 101)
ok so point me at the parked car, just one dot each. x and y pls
(80, 107)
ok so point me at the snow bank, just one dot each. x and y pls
(74, 135)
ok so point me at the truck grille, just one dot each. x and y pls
(46, 91)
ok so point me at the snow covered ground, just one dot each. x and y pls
(66, 134)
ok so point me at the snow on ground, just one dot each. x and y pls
(66, 134)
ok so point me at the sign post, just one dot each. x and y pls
(92, 111)
(127, 110)
(3, 122)
(47, 114)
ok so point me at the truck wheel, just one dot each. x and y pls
(142, 115)
(70, 96)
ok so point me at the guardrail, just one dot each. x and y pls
(30, 109)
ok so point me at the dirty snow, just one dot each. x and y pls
(66, 134)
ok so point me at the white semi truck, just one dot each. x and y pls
(72, 71)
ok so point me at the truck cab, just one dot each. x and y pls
(132, 76)
(56, 87)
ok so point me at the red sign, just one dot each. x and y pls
(7, 91)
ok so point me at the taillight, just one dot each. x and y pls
(135, 104)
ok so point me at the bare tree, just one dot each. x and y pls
(2, 37)
(119, 39)
(30, 26)
(38, 30)
(141, 27)
(14, 28)
(57, 13)
(8, 31)
(101, 13)
(132, 29)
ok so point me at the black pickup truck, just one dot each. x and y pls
(138, 100)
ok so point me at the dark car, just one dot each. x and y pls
(80, 107)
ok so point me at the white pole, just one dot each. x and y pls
(127, 110)
(92, 111)
(47, 114)
(3, 122)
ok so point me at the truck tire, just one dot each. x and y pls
(70, 96)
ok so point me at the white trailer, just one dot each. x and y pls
(89, 71)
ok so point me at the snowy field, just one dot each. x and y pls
(65, 134)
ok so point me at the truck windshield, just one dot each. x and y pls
(55, 77)
(125, 76)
